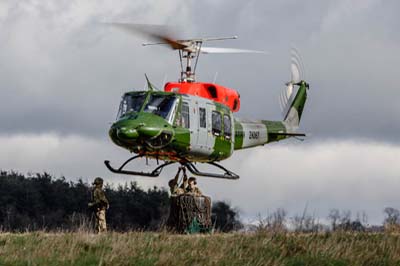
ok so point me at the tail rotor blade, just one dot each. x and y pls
(284, 103)
(289, 90)
(296, 66)
(296, 75)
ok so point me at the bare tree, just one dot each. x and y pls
(345, 218)
(264, 223)
(364, 218)
(274, 221)
(279, 219)
(334, 216)
(306, 223)
(297, 222)
(392, 216)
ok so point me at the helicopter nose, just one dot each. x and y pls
(149, 131)
(125, 133)
(146, 130)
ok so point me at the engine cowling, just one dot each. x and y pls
(215, 92)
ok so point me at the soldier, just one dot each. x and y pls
(173, 184)
(185, 183)
(192, 187)
(99, 204)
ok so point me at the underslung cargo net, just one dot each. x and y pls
(190, 214)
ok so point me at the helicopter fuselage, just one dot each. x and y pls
(192, 121)
(179, 127)
(185, 133)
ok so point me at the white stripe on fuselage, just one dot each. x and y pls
(255, 133)
(196, 148)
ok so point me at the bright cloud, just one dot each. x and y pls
(323, 175)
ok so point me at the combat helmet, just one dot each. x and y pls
(98, 181)
(172, 182)
(193, 179)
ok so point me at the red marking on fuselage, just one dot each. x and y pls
(215, 92)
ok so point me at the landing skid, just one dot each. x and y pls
(227, 175)
(157, 171)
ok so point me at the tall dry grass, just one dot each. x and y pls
(145, 248)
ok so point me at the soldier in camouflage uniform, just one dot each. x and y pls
(192, 187)
(99, 205)
(174, 188)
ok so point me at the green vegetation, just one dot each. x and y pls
(42, 202)
(146, 248)
(53, 214)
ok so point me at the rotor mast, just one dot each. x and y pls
(188, 74)
(188, 51)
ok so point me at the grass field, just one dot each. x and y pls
(141, 248)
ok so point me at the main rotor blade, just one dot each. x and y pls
(209, 39)
(160, 34)
(197, 40)
(220, 50)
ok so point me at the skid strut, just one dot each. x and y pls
(227, 175)
(155, 173)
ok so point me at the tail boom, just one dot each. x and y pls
(251, 133)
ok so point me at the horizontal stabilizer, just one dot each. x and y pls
(288, 134)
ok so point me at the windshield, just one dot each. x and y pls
(131, 103)
(162, 105)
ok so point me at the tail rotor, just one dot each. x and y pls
(297, 74)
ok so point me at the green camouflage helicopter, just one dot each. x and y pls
(192, 122)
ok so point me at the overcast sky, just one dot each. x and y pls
(62, 73)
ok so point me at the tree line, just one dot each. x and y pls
(337, 220)
(44, 202)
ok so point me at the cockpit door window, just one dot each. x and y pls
(227, 126)
(216, 123)
(203, 117)
(185, 118)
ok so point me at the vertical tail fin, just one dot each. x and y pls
(294, 107)
(293, 104)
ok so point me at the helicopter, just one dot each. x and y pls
(192, 122)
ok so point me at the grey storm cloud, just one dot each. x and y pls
(62, 73)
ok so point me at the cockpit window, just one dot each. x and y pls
(162, 105)
(227, 126)
(216, 123)
(131, 103)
